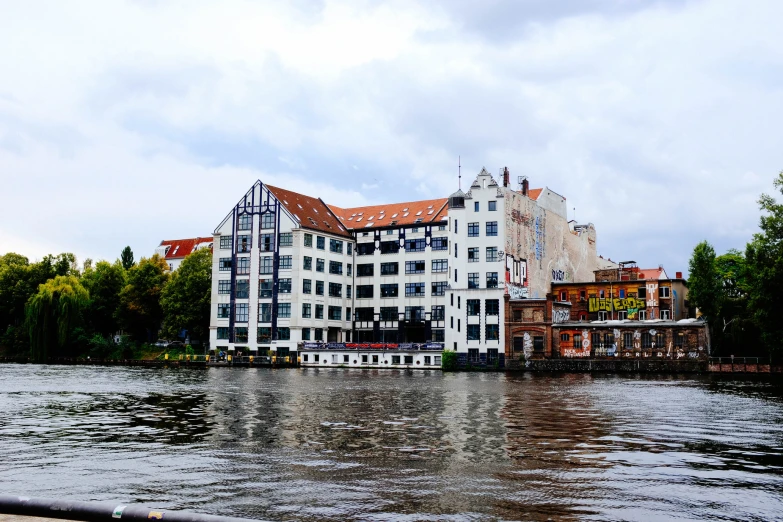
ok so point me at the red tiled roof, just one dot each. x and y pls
(534, 193)
(406, 213)
(181, 248)
(312, 213)
(652, 273)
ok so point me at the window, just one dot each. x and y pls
(456, 250)
(473, 229)
(665, 315)
(242, 289)
(622, 293)
(475, 206)
(565, 337)
(414, 230)
(364, 291)
(390, 247)
(414, 289)
(305, 335)
(660, 339)
(473, 254)
(319, 264)
(286, 239)
(646, 340)
(319, 288)
(439, 243)
(438, 335)
(390, 268)
(335, 313)
(284, 286)
(240, 315)
(473, 279)
(245, 222)
(306, 310)
(307, 286)
(456, 222)
(389, 313)
(628, 340)
(319, 336)
(335, 290)
(265, 288)
(493, 332)
(349, 268)
(266, 265)
(414, 314)
(440, 265)
(492, 306)
(414, 245)
(602, 293)
(390, 232)
(350, 249)
(663, 292)
(408, 359)
(474, 333)
(348, 318)
(264, 334)
(492, 206)
(245, 243)
(283, 334)
(641, 292)
(319, 311)
(285, 262)
(225, 244)
(395, 359)
(365, 314)
(224, 265)
(243, 266)
(563, 296)
(603, 316)
(336, 246)
(641, 315)
(308, 240)
(307, 263)
(224, 309)
(622, 315)
(365, 249)
(473, 306)
(335, 267)
(222, 332)
(366, 270)
(320, 242)
(492, 279)
(268, 220)
(438, 313)
(240, 334)
(389, 290)
(492, 254)
(679, 340)
(492, 228)
(415, 267)
(439, 288)
(348, 291)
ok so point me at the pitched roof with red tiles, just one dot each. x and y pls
(312, 213)
(653, 273)
(181, 248)
(534, 193)
(393, 214)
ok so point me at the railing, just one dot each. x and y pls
(372, 346)
(739, 360)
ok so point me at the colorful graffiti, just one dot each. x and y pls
(631, 305)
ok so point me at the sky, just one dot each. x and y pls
(127, 123)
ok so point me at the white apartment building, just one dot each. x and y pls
(388, 285)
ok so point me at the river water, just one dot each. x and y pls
(343, 444)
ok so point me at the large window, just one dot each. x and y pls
(242, 289)
(414, 314)
(319, 264)
(390, 268)
(473, 229)
(439, 288)
(390, 247)
(335, 267)
(243, 266)
(286, 239)
(245, 222)
(285, 262)
(268, 220)
(283, 310)
(305, 334)
(307, 286)
(265, 313)
(320, 242)
(646, 340)
(264, 334)
(319, 288)
(492, 228)
(473, 279)
(492, 254)
(319, 311)
(492, 206)
(225, 244)
(240, 315)
(438, 336)
(364, 291)
(492, 279)
(240, 334)
(265, 287)
(284, 285)
(308, 240)
(318, 335)
(349, 249)
(222, 332)
(474, 332)
(283, 334)
(364, 314)
(389, 290)
(365, 270)
(307, 263)
(365, 249)
(224, 309)
(414, 289)
(440, 243)
(335, 246)
(224, 265)
(474, 306)
(440, 265)
(266, 265)
(415, 267)
(389, 313)
(335, 313)
(473, 254)
(415, 245)
(492, 306)
(306, 310)
(244, 244)
(438, 313)
(335, 290)
(266, 242)
(493, 332)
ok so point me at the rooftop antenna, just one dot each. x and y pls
(574, 213)
(459, 171)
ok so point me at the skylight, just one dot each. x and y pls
(418, 213)
(358, 219)
(405, 215)
(368, 225)
(316, 210)
(394, 215)
(300, 206)
(371, 218)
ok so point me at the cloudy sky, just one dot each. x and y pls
(125, 123)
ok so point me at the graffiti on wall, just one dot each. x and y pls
(631, 305)
(527, 345)
(516, 292)
(652, 294)
(560, 315)
(559, 275)
(539, 238)
(580, 351)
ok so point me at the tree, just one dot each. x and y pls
(139, 310)
(104, 282)
(186, 298)
(127, 258)
(704, 285)
(53, 313)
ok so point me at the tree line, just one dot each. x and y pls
(740, 294)
(54, 308)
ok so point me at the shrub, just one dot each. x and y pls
(449, 360)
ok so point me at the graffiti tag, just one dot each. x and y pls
(516, 291)
(560, 315)
(628, 304)
(559, 275)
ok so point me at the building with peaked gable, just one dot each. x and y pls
(174, 251)
(389, 285)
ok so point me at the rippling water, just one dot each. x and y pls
(346, 444)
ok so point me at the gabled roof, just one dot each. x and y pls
(652, 273)
(393, 214)
(181, 248)
(312, 213)
(534, 193)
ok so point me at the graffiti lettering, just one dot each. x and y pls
(652, 293)
(632, 305)
(559, 275)
(570, 352)
(560, 315)
(527, 346)
(517, 292)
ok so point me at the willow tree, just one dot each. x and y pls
(52, 313)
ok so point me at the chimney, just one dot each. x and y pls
(525, 186)
(678, 275)
(505, 176)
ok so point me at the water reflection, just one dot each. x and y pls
(344, 444)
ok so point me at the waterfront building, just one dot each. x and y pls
(389, 285)
(174, 251)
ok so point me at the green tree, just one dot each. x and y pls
(105, 281)
(186, 299)
(764, 258)
(704, 285)
(139, 311)
(127, 258)
(52, 314)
